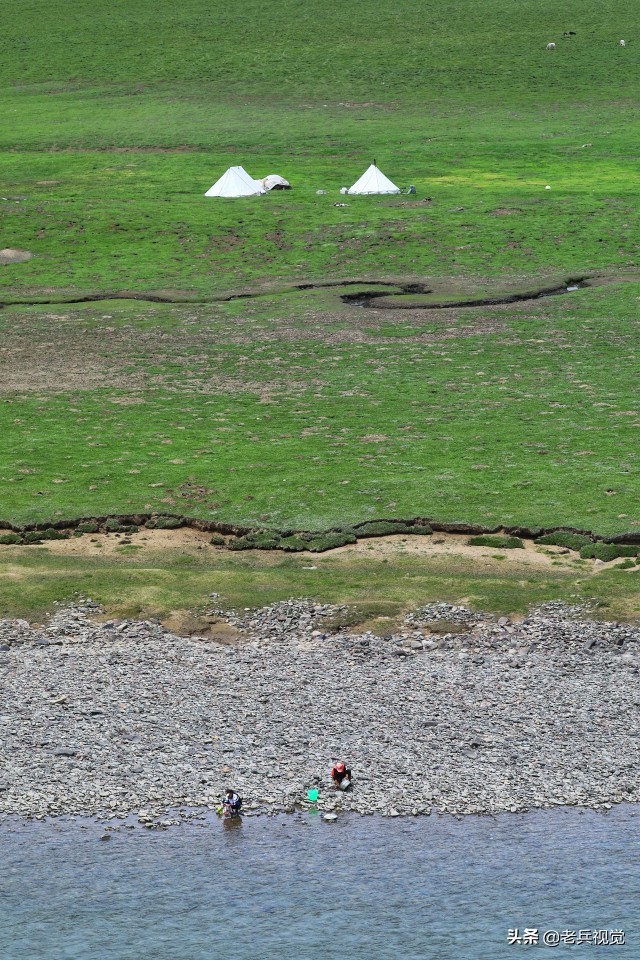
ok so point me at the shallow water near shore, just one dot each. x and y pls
(295, 886)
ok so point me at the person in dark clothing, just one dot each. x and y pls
(231, 804)
(341, 775)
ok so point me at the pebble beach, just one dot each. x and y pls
(456, 712)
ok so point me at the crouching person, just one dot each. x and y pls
(341, 775)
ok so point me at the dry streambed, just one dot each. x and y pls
(455, 712)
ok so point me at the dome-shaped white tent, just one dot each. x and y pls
(373, 181)
(275, 182)
(236, 182)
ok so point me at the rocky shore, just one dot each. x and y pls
(458, 712)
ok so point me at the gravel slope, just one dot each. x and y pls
(124, 717)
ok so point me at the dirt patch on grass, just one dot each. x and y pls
(184, 541)
(504, 211)
(453, 546)
(11, 255)
(54, 352)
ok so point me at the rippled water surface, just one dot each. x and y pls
(296, 887)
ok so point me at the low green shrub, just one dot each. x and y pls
(628, 549)
(293, 544)
(501, 541)
(261, 540)
(114, 526)
(626, 565)
(164, 523)
(562, 538)
(329, 541)
(10, 538)
(609, 551)
(37, 536)
(88, 527)
(217, 540)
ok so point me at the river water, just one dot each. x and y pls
(297, 887)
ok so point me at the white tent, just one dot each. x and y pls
(373, 181)
(236, 182)
(275, 182)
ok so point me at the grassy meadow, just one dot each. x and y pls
(293, 408)
(300, 412)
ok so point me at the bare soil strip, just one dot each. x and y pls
(445, 545)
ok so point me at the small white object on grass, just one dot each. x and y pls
(547, 187)
(622, 43)
(551, 46)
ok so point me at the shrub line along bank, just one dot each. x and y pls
(291, 540)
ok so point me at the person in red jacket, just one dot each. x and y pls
(341, 775)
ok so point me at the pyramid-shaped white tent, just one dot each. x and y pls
(236, 182)
(373, 181)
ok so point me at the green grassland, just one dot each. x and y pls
(118, 121)
(273, 414)
(294, 409)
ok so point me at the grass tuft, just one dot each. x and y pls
(502, 542)
(562, 538)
